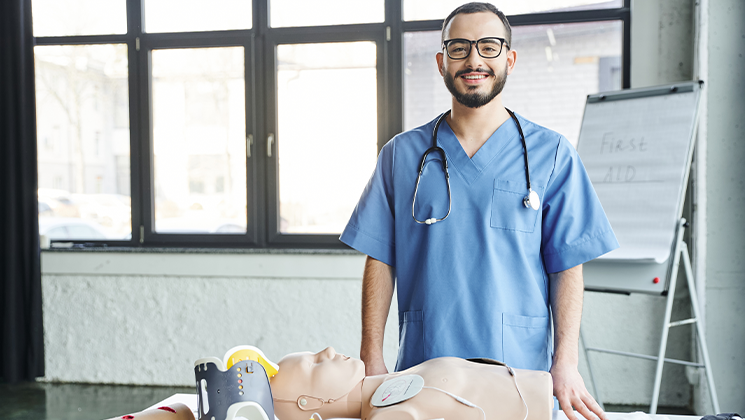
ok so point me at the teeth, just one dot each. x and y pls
(481, 76)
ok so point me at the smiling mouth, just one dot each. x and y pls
(474, 77)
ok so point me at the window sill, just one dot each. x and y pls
(328, 264)
(184, 250)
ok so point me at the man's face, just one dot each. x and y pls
(475, 81)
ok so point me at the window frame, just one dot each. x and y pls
(259, 45)
(147, 46)
(280, 36)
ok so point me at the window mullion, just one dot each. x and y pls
(393, 79)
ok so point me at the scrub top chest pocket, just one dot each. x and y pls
(507, 209)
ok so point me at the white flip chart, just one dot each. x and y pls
(636, 146)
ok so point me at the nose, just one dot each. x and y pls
(327, 353)
(474, 59)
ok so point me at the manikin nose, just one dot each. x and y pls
(328, 353)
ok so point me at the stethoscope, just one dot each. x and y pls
(529, 201)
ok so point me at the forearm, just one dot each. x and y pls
(567, 289)
(377, 292)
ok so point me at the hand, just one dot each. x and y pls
(569, 389)
(375, 366)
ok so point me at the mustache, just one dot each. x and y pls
(479, 70)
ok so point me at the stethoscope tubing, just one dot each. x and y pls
(434, 148)
(437, 149)
(525, 147)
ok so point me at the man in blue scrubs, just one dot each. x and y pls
(481, 282)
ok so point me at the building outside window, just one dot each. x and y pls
(257, 124)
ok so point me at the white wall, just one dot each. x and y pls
(144, 318)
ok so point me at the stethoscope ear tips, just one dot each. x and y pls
(431, 221)
(532, 200)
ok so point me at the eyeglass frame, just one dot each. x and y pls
(503, 43)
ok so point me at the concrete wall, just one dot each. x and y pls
(662, 41)
(724, 200)
(143, 318)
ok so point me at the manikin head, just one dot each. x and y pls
(475, 81)
(325, 382)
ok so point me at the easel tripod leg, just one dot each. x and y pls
(598, 398)
(665, 330)
(699, 329)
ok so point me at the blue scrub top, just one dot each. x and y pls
(476, 284)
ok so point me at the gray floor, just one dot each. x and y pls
(42, 401)
(681, 411)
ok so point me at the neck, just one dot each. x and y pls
(474, 126)
(369, 385)
(353, 401)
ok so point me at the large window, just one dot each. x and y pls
(258, 123)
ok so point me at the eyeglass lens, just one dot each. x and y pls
(488, 48)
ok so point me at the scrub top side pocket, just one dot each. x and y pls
(410, 339)
(507, 209)
(525, 341)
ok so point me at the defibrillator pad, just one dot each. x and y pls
(396, 390)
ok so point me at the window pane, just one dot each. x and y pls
(199, 129)
(440, 9)
(82, 107)
(557, 67)
(197, 15)
(325, 12)
(79, 17)
(425, 95)
(327, 135)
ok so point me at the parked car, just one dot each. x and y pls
(62, 228)
(45, 210)
(57, 202)
(113, 211)
(190, 225)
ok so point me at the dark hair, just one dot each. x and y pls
(477, 7)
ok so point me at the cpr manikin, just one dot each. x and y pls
(334, 385)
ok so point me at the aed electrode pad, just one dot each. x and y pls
(394, 391)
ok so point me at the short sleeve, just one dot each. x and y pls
(371, 228)
(575, 229)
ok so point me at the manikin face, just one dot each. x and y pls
(321, 376)
(475, 81)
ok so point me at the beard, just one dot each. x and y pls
(475, 99)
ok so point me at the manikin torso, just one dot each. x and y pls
(304, 380)
(488, 386)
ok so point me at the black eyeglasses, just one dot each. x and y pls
(489, 47)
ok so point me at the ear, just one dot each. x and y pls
(511, 60)
(440, 59)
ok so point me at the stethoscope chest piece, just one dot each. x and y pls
(532, 200)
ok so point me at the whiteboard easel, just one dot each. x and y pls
(637, 147)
